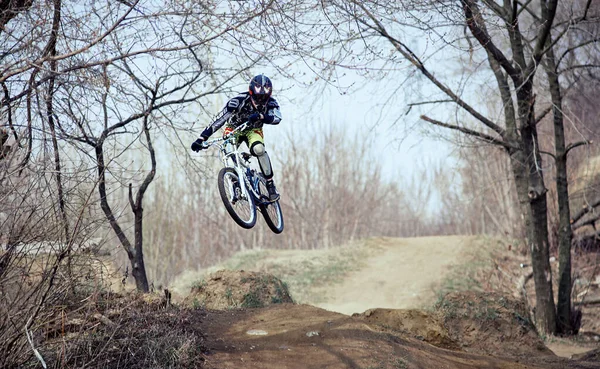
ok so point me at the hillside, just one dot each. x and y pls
(367, 277)
(243, 316)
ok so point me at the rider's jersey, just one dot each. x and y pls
(237, 111)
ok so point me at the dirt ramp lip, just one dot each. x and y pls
(226, 289)
(490, 324)
(416, 323)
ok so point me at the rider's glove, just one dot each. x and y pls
(255, 120)
(198, 144)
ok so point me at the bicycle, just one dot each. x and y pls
(243, 198)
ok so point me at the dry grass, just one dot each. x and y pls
(121, 331)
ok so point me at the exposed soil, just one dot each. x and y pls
(303, 336)
(226, 289)
(246, 319)
(463, 330)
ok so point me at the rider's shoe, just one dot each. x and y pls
(273, 195)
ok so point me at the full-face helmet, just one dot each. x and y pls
(260, 89)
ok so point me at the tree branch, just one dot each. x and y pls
(571, 49)
(548, 13)
(577, 144)
(480, 135)
(9, 116)
(524, 7)
(586, 209)
(410, 105)
(150, 175)
(500, 11)
(131, 202)
(578, 66)
(587, 8)
(543, 115)
(413, 59)
(484, 38)
(589, 221)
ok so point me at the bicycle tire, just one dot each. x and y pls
(271, 211)
(228, 191)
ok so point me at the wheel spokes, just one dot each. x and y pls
(240, 204)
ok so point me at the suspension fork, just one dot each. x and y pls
(234, 156)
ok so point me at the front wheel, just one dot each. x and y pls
(271, 211)
(240, 207)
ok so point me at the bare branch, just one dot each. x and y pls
(586, 209)
(500, 11)
(543, 114)
(579, 66)
(548, 13)
(150, 175)
(411, 57)
(573, 48)
(479, 135)
(410, 106)
(469, 7)
(130, 197)
(577, 144)
(590, 221)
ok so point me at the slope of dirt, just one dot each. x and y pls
(404, 274)
(226, 289)
(379, 276)
(490, 324)
(463, 330)
(146, 331)
(302, 336)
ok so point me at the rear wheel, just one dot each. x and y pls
(241, 208)
(271, 211)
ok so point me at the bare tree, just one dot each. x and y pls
(98, 78)
(513, 39)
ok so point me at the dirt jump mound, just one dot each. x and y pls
(490, 324)
(227, 289)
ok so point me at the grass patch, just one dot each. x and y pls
(469, 275)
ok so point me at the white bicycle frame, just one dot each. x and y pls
(231, 158)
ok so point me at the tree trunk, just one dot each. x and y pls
(137, 262)
(534, 217)
(527, 164)
(137, 258)
(565, 233)
(51, 50)
(138, 270)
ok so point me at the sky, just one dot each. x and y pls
(400, 143)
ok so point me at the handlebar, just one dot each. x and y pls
(241, 127)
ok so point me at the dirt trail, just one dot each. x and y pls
(401, 276)
(396, 274)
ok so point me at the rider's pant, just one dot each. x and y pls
(255, 140)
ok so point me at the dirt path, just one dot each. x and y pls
(401, 276)
(385, 273)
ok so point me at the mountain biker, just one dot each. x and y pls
(256, 107)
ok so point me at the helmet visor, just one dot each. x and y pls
(260, 99)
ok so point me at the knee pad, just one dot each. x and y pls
(257, 149)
